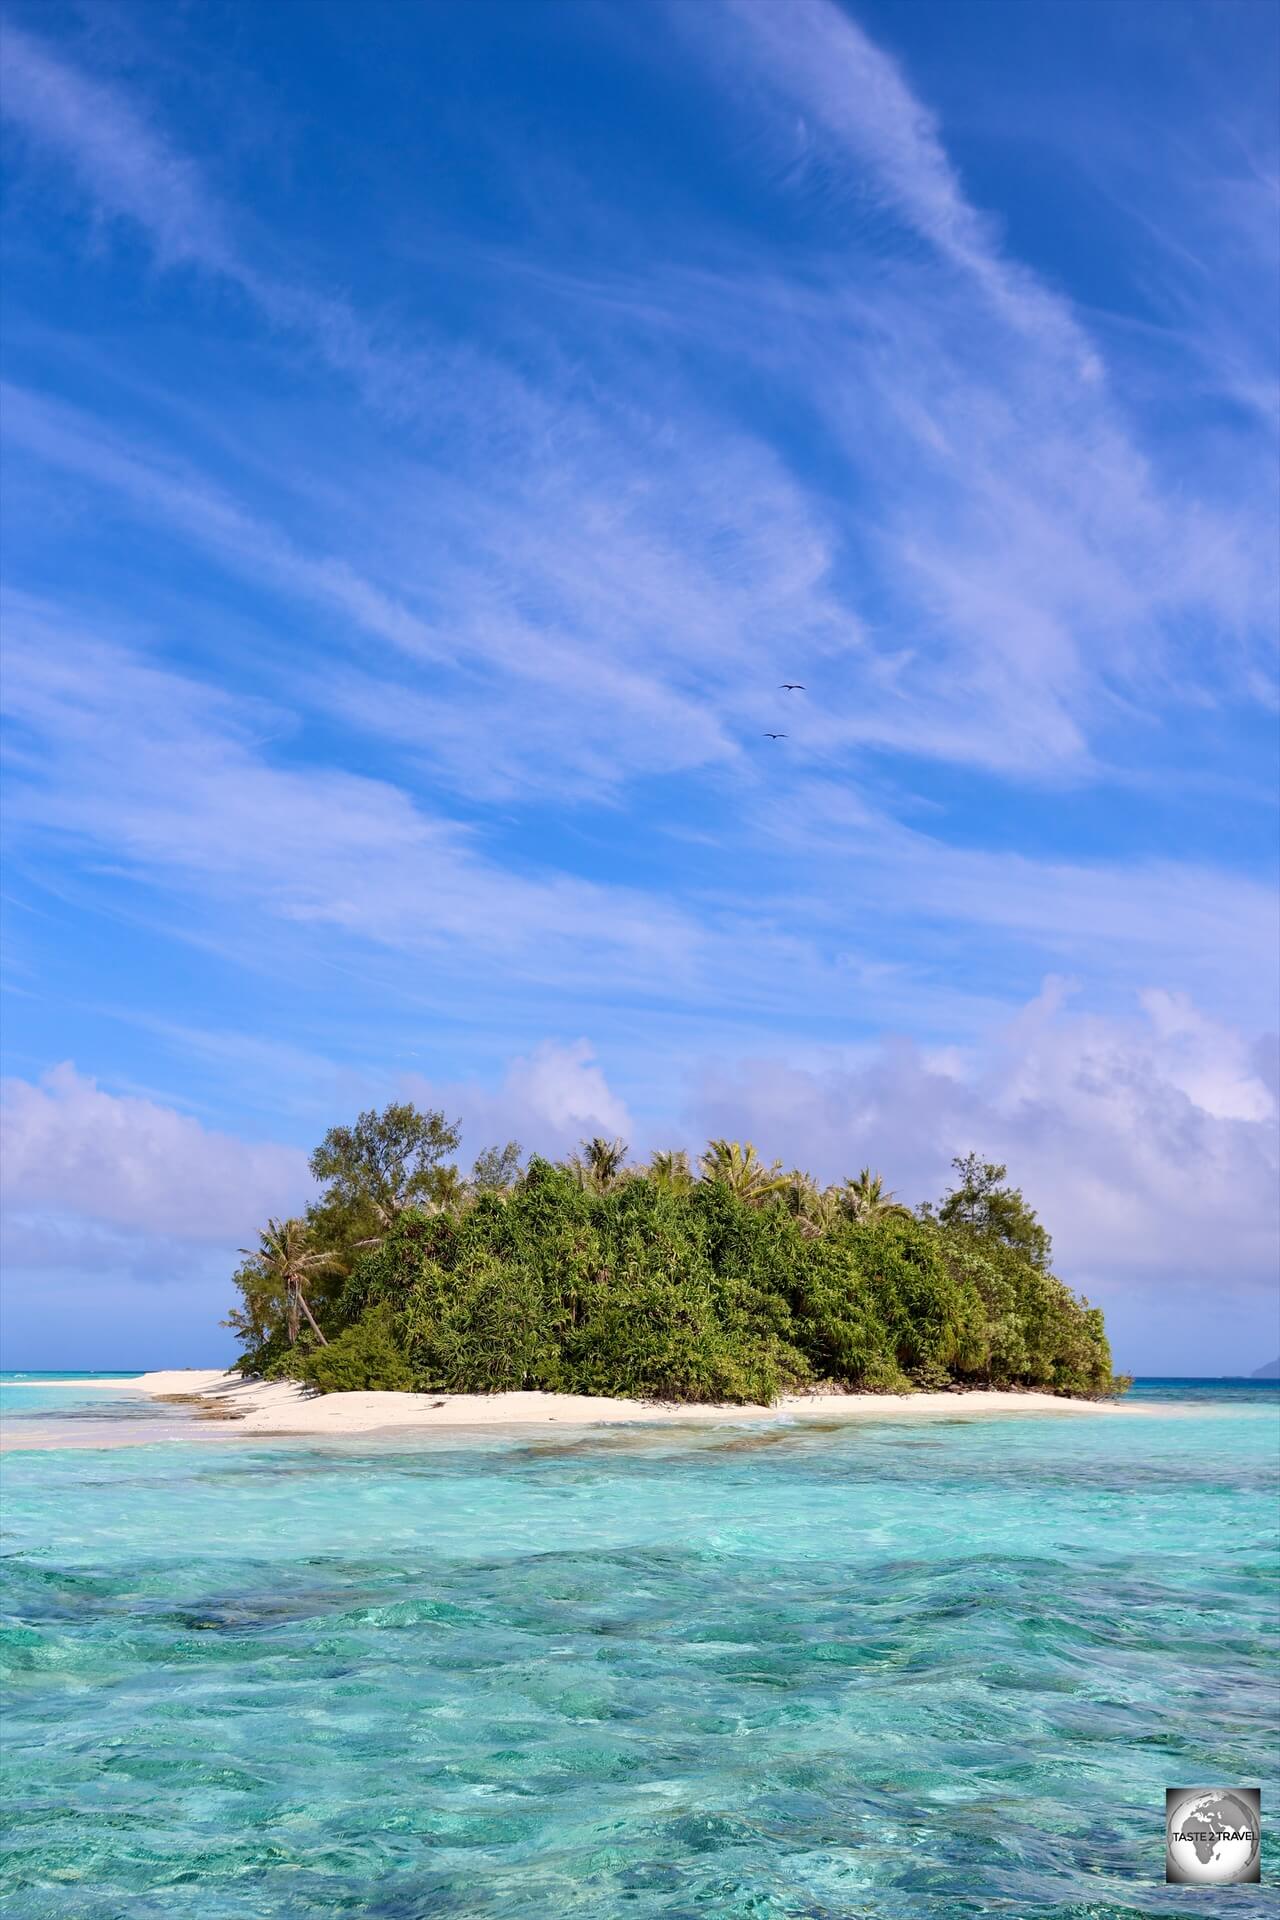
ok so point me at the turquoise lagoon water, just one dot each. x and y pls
(915, 1670)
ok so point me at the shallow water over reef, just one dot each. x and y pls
(914, 1670)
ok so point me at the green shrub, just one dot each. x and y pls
(481, 1328)
(929, 1378)
(366, 1358)
(651, 1330)
(838, 1320)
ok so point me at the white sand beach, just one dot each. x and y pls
(283, 1407)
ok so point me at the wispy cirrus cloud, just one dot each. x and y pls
(1203, 925)
(850, 112)
(467, 553)
(170, 493)
(129, 169)
(126, 166)
(1042, 569)
(209, 802)
(553, 695)
(1054, 574)
(112, 751)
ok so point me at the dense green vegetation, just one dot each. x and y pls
(730, 1281)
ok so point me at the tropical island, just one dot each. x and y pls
(731, 1281)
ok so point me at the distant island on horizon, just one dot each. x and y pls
(732, 1280)
(1270, 1372)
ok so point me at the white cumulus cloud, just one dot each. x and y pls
(1148, 1143)
(549, 1099)
(118, 1161)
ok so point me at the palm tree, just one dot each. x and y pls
(671, 1171)
(868, 1199)
(813, 1208)
(286, 1257)
(600, 1164)
(741, 1170)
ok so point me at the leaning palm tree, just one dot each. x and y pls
(867, 1199)
(741, 1169)
(601, 1163)
(286, 1257)
(671, 1171)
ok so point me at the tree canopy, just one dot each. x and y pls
(604, 1277)
(372, 1171)
(497, 1168)
(990, 1210)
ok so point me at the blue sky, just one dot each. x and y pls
(433, 432)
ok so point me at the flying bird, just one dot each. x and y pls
(792, 686)
(775, 736)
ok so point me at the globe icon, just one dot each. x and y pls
(1213, 1837)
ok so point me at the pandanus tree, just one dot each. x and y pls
(741, 1169)
(286, 1260)
(867, 1199)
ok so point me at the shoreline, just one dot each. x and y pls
(285, 1408)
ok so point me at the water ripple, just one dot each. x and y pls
(871, 1672)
